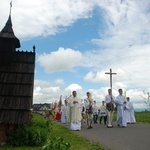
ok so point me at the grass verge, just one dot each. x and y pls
(77, 142)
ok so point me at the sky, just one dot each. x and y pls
(78, 41)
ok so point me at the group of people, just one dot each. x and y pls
(74, 111)
(125, 111)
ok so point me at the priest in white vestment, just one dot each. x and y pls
(75, 111)
(121, 116)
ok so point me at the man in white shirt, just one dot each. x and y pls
(109, 100)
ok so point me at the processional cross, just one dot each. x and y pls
(110, 73)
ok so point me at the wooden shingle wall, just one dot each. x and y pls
(16, 88)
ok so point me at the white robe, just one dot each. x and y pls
(130, 113)
(63, 115)
(75, 113)
(133, 120)
(127, 112)
(67, 114)
(121, 116)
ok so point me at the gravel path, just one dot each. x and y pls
(133, 137)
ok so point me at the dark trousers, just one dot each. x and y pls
(105, 119)
(95, 117)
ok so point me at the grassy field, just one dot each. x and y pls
(20, 148)
(142, 117)
(77, 142)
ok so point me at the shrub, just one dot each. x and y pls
(33, 134)
(56, 144)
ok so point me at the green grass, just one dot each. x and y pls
(77, 142)
(142, 117)
(20, 148)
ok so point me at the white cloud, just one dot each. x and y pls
(73, 87)
(51, 89)
(61, 60)
(59, 82)
(102, 77)
(46, 94)
(42, 18)
(97, 77)
(127, 23)
(52, 94)
(125, 43)
(37, 90)
(131, 65)
(41, 83)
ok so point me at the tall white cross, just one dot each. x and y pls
(110, 73)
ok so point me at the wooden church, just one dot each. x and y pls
(16, 81)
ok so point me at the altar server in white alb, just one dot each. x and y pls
(68, 110)
(95, 112)
(75, 112)
(121, 116)
(103, 113)
(63, 110)
(130, 118)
